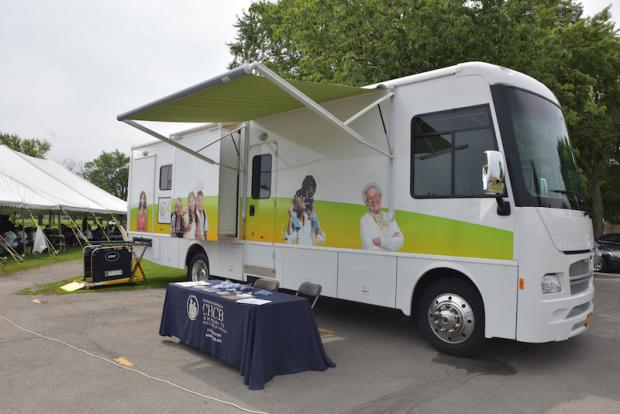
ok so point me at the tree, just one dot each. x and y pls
(109, 171)
(30, 146)
(360, 42)
(592, 102)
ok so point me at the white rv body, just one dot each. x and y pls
(504, 257)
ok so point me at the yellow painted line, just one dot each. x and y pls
(326, 331)
(333, 339)
(122, 361)
(37, 301)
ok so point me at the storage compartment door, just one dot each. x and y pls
(367, 278)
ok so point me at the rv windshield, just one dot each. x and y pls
(540, 159)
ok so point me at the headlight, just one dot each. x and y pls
(550, 284)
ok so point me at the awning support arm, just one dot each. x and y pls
(313, 106)
(169, 141)
(387, 138)
(174, 143)
(222, 137)
(368, 108)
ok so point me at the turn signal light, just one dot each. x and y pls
(521, 283)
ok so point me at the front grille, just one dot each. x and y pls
(578, 310)
(580, 273)
(580, 267)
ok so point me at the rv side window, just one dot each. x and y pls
(446, 152)
(165, 177)
(261, 176)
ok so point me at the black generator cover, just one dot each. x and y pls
(103, 263)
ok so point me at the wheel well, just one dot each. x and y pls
(194, 249)
(436, 274)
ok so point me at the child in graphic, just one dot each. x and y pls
(306, 196)
(301, 229)
(177, 221)
(378, 229)
(202, 216)
(306, 192)
(142, 218)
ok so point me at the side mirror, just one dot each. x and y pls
(494, 179)
(493, 173)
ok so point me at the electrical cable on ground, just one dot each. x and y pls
(109, 361)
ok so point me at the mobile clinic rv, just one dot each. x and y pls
(451, 195)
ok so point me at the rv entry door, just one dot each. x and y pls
(260, 227)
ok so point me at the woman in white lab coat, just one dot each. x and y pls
(378, 229)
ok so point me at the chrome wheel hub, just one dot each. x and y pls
(200, 271)
(451, 318)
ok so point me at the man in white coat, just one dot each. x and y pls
(378, 229)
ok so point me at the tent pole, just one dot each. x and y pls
(21, 212)
(98, 223)
(9, 249)
(60, 235)
(74, 226)
(50, 250)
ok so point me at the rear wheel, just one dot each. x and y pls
(198, 267)
(450, 315)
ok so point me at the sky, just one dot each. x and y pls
(69, 67)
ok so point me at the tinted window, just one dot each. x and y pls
(468, 149)
(261, 176)
(433, 159)
(447, 147)
(165, 177)
(543, 171)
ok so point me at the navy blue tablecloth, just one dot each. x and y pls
(276, 338)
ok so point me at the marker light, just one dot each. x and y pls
(550, 283)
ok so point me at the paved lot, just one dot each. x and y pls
(383, 366)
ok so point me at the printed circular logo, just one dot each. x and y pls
(192, 307)
(112, 256)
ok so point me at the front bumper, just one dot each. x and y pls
(560, 318)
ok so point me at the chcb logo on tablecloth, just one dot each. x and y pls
(192, 307)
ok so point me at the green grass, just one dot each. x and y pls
(30, 261)
(157, 277)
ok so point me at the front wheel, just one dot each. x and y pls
(198, 267)
(450, 315)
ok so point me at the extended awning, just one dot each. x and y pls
(236, 96)
(249, 92)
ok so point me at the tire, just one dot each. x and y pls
(198, 267)
(450, 315)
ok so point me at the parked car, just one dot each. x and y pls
(607, 252)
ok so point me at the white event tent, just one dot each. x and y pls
(34, 183)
